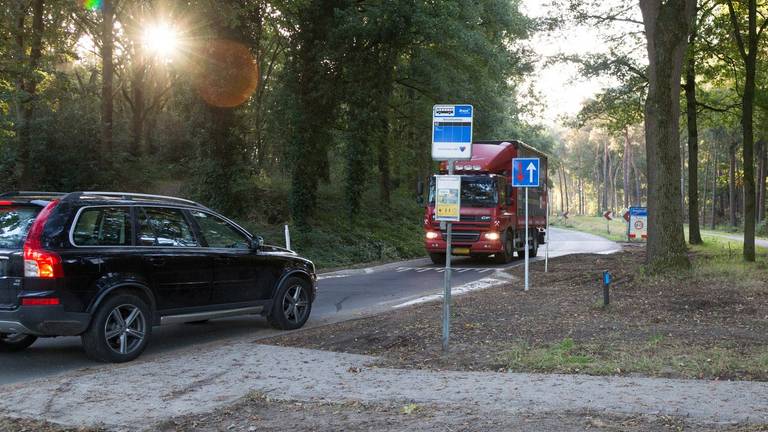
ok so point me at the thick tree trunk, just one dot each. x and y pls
(694, 232)
(666, 29)
(107, 70)
(732, 184)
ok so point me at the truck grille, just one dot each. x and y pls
(475, 218)
(462, 236)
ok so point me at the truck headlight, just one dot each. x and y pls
(431, 235)
(491, 235)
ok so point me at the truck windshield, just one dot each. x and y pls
(476, 191)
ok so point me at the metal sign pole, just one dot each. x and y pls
(546, 233)
(526, 239)
(447, 279)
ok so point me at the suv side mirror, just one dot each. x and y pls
(257, 242)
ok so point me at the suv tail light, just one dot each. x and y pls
(37, 261)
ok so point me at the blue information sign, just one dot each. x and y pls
(452, 132)
(525, 172)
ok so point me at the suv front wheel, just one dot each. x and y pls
(292, 305)
(119, 331)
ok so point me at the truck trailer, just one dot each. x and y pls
(492, 214)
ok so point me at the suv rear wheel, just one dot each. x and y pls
(291, 306)
(12, 342)
(119, 331)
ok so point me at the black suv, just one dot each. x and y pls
(108, 266)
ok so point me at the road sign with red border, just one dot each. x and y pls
(638, 223)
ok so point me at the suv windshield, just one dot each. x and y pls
(476, 191)
(14, 224)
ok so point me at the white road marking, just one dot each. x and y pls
(321, 277)
(496, 279)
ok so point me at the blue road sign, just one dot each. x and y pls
(525, 172)
(452, 132)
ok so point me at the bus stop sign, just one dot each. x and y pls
(452, 132)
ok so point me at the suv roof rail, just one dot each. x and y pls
(31, 194)
(130, 196)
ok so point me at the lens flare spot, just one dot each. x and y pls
(228, 74)
(93, 4)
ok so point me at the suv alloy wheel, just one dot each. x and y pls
(120, 330)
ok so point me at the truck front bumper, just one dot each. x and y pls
(480, 247)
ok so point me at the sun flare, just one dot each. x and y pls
(161, 40)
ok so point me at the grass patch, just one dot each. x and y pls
(658, 356)
(596, 225)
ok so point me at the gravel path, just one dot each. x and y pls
(141, 394)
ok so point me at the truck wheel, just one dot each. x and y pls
(437, 258)
(291, 305)
(506, 255)
(119, 331)
(13, 342)
(534, 250)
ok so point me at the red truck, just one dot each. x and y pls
(492, 210)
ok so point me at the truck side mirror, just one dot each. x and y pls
(509, 193)
(420, 188)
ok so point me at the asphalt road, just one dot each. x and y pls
(341, 295)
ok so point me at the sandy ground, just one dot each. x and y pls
(139, 396)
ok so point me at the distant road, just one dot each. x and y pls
(342, 295)
(737, 237)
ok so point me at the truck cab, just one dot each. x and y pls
(492, 214)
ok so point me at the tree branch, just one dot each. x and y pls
(736, 30)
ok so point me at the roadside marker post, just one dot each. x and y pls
(451, 141)
(525, 174)
(606, 287)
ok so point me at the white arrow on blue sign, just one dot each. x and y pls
(525, 172)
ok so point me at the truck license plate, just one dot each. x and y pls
(461, 251)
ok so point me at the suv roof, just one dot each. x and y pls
(97, 196)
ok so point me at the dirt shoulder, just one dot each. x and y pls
(710, 323)
(258, 413)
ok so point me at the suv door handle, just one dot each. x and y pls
(156, 261)
(223, 259)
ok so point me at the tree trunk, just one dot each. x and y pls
(761, 180)
(137, 108)
(716, 173)
(107, 70)
(626, 167)
(562, 199)
(565, 183)
(666, 29)
(694, 232)
(748, 53)
(27, 86)
(732, 184)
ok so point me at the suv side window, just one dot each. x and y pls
(103, 226)
(218, 233)
(168, 227)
